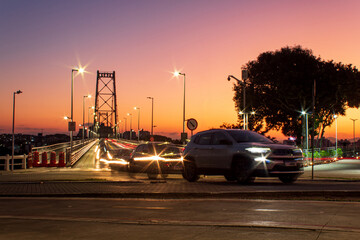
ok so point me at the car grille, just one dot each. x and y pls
(282, 152)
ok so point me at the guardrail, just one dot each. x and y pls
(5, 161)
(55, 147)
(79, 151)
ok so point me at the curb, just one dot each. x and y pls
(291, 195)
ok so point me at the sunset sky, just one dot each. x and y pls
(143, 42)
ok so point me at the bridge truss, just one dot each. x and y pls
(105, 117)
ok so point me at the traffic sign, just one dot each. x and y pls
(192, 124)
(72, 126)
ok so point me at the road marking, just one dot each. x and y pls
(147, 208)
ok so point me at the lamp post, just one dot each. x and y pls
(137, 108)
(125, 124)
(184, 137)
(129, 114)
(13, 131)
(354, 134)
(307, 130)
(243, 83)
(152, 115)
(92, 107)
(80, 70)
(336, 139)
(121, 130)
(83, 135)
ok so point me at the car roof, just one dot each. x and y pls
(222, 129)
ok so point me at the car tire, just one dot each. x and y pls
(190, 171)
(230, 178)
(242, 169)
(289, 179)
(152, 176)
(164, 175)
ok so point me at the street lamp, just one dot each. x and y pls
(307, 130)
(83, 135)
(129, 114)
(80, 70)
(137, 108)
(120, 130)
(354, 134)
(336, 141)
(184, 137)
(243, 83)
(152, 115)
(92, 107)
(125, 124)
(13, 131)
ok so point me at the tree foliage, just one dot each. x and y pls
(280, 86)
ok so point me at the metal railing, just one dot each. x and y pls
(5, 162)
(78, 151)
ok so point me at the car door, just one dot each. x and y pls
(220, 152)
(202, 150)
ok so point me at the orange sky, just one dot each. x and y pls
(144, 41)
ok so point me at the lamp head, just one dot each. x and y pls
(228, 78)
(18, 92)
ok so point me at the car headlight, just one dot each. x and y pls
(258, 150)
(297, 151)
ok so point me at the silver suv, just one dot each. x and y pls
(240, 155)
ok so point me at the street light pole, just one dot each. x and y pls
(129, 114)
(183, 132)
(137, 108)
(354, 134)
(152, 115)
(244, 97)
(80, 70)
(13, 131)
(89, 118)
(336, 141)
(307, 130)
(83, 135)
(125, 124)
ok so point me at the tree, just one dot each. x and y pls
(280, 86)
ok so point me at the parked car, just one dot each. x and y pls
(240, 155)
(156, 158)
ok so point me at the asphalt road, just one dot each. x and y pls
(174, 208)
(60, 218)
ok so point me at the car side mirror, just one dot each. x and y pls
(225, 142)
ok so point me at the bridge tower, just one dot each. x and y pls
(105, 117)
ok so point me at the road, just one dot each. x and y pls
(174, 208)
(59, 218)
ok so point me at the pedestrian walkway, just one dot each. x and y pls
(337, 181)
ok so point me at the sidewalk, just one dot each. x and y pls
(67, 182)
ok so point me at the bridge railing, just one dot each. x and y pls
(21, 161)
(78, 151)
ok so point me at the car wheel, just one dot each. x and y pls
(152, 176)
(288, 179)
(242, 171)
(190, 171)
(230, 178)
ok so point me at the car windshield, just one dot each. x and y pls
(248, 136)
(164, 149)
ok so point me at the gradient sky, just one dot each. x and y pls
(144, 41)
